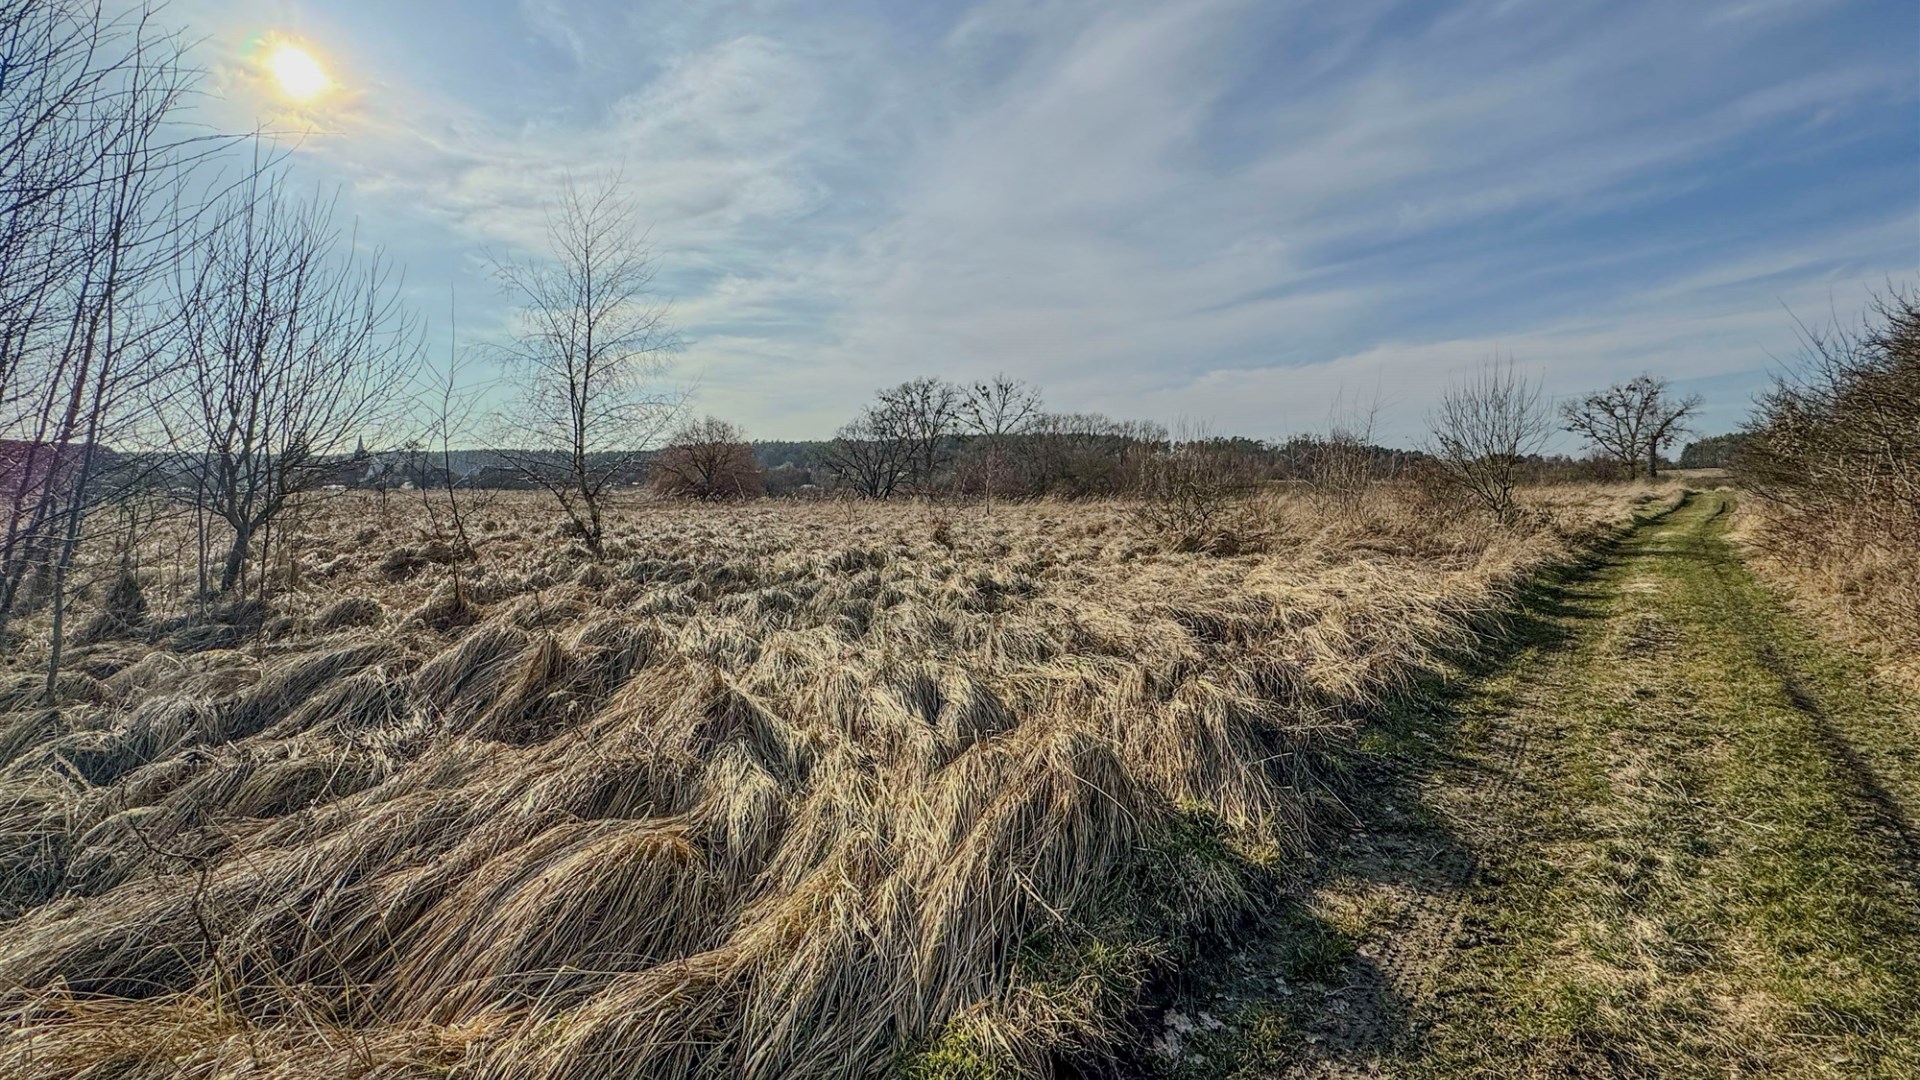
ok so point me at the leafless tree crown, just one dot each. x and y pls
(292, 347)
(707, 458)
(1631, 422)
(901, 441)
(592, 344)
(998, 411)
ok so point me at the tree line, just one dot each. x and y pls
(995, 438)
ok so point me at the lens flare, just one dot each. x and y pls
(296, 72)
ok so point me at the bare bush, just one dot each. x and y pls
(707, 459)
(1344, 463)
(1483, 431)
(1833, 452)
(1839, 434)
(1190, 494)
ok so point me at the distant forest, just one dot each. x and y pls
(1717, 452)
(1086, 463)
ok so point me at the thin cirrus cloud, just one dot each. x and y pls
(1241, 212)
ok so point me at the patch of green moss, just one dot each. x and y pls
(959, 1054)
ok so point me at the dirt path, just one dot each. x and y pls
(1666, 832)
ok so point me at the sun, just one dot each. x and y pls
(296, 71)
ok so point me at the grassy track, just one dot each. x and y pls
(1669, 833)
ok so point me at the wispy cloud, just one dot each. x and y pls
(1223, 209)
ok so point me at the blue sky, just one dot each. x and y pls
(1246, 214)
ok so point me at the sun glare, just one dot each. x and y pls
(294, 69)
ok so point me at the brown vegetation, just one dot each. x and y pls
(777, 790)
(707, 459)
(1834, 456)
(1482, 433)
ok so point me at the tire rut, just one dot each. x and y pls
(1881, 812)
(1381, 1006)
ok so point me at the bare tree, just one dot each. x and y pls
(1669, 422)
(922, 415)
(592, 345)
(91, 170)
(1482, 432)
(868, 455)
(449, 402)
(900, 442)
(998, 411)
(707, 459)
(291, 349)
(1631, 422)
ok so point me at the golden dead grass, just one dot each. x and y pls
(1853, 581)
(777, 790)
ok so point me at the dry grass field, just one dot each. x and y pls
(774, 790)
(1867, 593)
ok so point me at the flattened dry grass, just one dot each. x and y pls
(776, 790)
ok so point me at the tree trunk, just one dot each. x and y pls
(50, 689)
(595, 532)
(231, 574)
(200, 552)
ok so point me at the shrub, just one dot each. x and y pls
(1837, 440)
(708, 459)
(1833, 453)
(1482, 433)
(1190, 495)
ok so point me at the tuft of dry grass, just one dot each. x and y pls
(774, 790)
